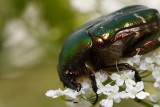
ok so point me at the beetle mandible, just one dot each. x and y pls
(105, 40)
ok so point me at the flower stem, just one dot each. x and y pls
(145, 103)
(145, 76)
(142, 72)
(149, 81)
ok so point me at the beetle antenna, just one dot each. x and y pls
(138, 51)
(117, 67)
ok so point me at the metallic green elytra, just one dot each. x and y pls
(78, 43)
(104, 41)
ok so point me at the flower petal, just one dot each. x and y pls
(139, 86)
(106, 103)
(119, 82)
(142, 95)
(123, 94)
(115, 76)
(130, 95)
(130, 83)
(54, 93)
(156, 105)
(153, 98)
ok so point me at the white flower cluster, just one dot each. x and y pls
(72, 95)
(132, 89)
(155, 98)
(111, 92)
(149, 62)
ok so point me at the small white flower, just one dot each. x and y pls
(151, 67)
(143, 65)
(111, 89)
(130, 74)
(149, 60)
(86, 90)
(117, 98)
(101, 76)
(114, 96)
(156, 73)
(101, 89)
(120, 79)
(112, 93)
(156, 105)
(137, 91)
(156, 57)
(71, 94)
(153, 98)
(157, 83)
(142, 95)
(123, 94)
(117, 78)
(108, 89)
(106, 103)
(130, 83)
(54, 93)
(136, 59)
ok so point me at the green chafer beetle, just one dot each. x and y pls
(105, 40)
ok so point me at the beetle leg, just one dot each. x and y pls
(123, 66)
(144, 48)
(78, 85)
(93, 82)
(72, 78)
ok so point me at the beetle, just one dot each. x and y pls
(105, 40)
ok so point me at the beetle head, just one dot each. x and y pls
(68, 78)
(71, 57)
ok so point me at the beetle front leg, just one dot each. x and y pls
(144, 48)
(93, 82)
(123, 66)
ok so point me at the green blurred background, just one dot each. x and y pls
(31, 34)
